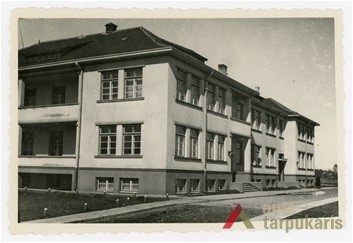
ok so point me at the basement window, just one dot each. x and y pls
(105, 183)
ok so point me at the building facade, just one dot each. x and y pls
(126, 111)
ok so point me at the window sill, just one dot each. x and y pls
(256, 130)
(186, 159)
(120, 100)
(48, 156)
(282, 138)
(311, 143)
(270, 167)
(270, 134)
(301, 140)
(239, 120)
(217, 114)
(303, 169)
(180, 102)
(257, 166)
(44, 106)
(101, 156)
(211, 161)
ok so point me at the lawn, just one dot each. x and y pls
(325, 211)
(32, 203)
(185, 213)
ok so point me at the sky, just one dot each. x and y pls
(292, 60)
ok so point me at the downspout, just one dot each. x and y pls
(205, 136)
(78, 136)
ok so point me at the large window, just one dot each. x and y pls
(133, 83)
(210, 146)
(195, 90)
(180, 141)
(221, 140)
(239, 112)
(27, 143)
(281, 127)
(194, 143)
(270, 124)
(132, 139)
(58, 95)
(222, 100)
(180, 185)
(30, 97)
(221, 184)
(105, 183)
(181, 85)
(256, 119)
(107, 138)
(271, 157)
(129, 184)
(194, 185)
(211, 185)
(110, 85)
(56, 143)
(211, 98)
(256, 154)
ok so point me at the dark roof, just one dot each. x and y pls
(275, 104)
(121, 41)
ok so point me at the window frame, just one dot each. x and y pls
(136, 137)
(256, 161)
(30, 97)
(177, 185)
(110, 134)
(58, 95)
(111, 81)
(180, 140)
(210, 145)
(181, 89)
(197, 190)
(28, 141)
(133, 187)
(137, 89)
(57, 137)
(194, 143)
(109, 186)
(220, 147)
(195, 91)
(222, 100)
(211, 97)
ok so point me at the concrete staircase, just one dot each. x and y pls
(249, 188)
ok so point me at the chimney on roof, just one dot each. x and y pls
(110, 27)
(257, 88)
(222, 68)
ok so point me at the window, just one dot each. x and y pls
(56, 143)
(194, 142)
(239, 151)
(270, 157)
(110, 85)
(180, 141)
(221, 184)
(211, 99)
(270, 124)
(105, 183)
(180, 185)
(58, 95)
(133, 83)
(129, 184)
(256, 154)
(132, 139)
(239, 111)
(194, 185)
(222, 100)
(107, 140)
(195, 90)
(211, 185)
(30, 97)
(27, 143)
(256, 121)
(221, 147)
(181, 85)
(281, 128)
(210, 147)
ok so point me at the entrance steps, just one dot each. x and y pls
(249, 188)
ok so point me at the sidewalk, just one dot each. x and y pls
(175, 201)
(279, 214)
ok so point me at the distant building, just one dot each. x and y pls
(127, 111)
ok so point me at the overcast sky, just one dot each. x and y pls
(292, 60)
